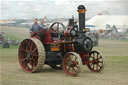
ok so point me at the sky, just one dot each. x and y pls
(27, 9)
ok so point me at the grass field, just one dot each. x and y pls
(115, 72)
(15, 33)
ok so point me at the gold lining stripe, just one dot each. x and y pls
(82, 11)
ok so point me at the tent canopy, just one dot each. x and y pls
(108, 19)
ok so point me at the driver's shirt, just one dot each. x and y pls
(35, 28)
(42, 26)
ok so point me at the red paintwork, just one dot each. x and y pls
(67, 33)
(48, 36)
(48, 40)
(84, 58)
(34, 35)
(69, 47)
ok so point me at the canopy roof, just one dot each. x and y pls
(108, 19)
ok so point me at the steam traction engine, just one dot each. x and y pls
(61, 48)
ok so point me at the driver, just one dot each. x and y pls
(42, 26)
(35, 26)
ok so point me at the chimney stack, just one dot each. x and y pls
(81, 11)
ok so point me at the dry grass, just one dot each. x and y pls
(15, 33)
(115, 73)
(113, 47)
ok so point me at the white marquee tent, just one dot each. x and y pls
(100, 21)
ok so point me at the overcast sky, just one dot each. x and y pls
(27, 9)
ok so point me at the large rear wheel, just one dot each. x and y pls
(31, 55)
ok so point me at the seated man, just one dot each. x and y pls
(42, 26)
(35, 27)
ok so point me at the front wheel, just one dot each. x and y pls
(97, 61)
(72, 64)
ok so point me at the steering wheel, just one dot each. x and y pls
(58, 27)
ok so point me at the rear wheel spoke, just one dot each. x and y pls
(28, 43)
(34, 54)
(34, 50)
(24, 50)
(34, 60)
(24, 59)
(31, 46)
